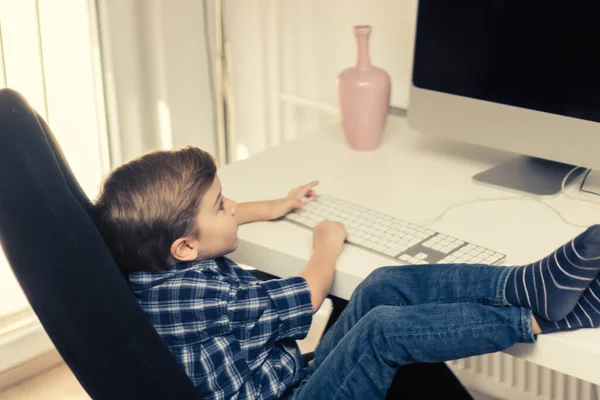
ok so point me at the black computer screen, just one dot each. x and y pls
(529, 54)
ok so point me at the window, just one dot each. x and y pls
(50, 54)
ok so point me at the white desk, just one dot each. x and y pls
(413, 177)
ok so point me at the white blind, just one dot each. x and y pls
(49, 53)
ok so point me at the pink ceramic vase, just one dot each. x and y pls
(364, 97)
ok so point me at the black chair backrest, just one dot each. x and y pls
(67, 272)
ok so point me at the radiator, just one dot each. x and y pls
(502, 376)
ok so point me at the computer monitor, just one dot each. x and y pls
(512, 75)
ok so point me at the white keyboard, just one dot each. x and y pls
(392, 237)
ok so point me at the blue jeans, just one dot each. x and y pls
(411, 314)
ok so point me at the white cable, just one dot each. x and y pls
(562, 190)
(431, 221)
(439, 217)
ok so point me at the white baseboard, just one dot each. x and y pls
(22, 345)
(29, 370)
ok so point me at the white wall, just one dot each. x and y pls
(157, 75)
(318, 43)
(286, 56)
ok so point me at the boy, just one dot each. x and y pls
(168, 226)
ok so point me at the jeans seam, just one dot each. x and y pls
(488, 301)
(526, 316)
(455, 330)
(501, 287)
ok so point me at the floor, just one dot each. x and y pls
(57, 383)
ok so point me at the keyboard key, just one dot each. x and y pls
(495, 257)
(415, 241)
(390, 252)
(446, 249)
(396, 246)
(370, 244)
(358, 240)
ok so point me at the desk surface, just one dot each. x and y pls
(415, 178)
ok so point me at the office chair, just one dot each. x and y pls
(68, 274)
(74, 285)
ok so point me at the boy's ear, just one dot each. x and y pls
(184, 249)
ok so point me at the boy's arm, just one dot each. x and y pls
(254, 211)
(272, 209)
(328, 242)
(318, 274)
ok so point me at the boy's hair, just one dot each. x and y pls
(148, 203)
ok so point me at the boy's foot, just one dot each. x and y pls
(552, 286)
(586, 313)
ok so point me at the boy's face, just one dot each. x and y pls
(217, 225)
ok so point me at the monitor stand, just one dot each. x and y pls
(534, 176)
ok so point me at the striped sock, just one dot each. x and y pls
(551, 287)
(586, 313)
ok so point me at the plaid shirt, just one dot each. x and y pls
(233, 334)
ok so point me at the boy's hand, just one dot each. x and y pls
(329, 236)
(280, 207)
